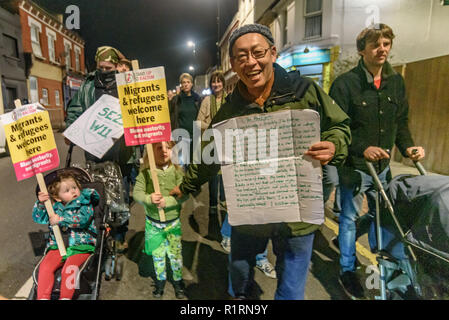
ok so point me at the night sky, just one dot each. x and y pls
(153, 31)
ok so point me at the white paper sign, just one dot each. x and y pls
(98, 127)
(266, 176)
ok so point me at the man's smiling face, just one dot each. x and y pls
(255, 73)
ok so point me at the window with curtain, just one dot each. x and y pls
(68, 56)
(51, 47)
(34, 96)
(77, 60)
(35, 40)
(44, 96)
(313, 14)
(57, 98)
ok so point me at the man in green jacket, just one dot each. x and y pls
(373, 95)
(264, 86)
(97, 83)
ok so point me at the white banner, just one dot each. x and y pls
(267, 177)
(98, 127)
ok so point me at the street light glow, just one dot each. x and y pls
(191, 68)
(191, 43)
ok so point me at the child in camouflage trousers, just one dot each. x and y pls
(74, 213)
(162, 238)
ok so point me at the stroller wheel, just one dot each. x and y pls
(119, 269)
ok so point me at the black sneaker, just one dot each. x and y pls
(159, 290)
(351, 285)
(179, 289)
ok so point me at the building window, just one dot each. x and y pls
(10, 44)
(77, 59)
(44, 99)
(313, 14)
(57, 100)
(34, 96)
(35, 40)
(51, 47)
(10, 96)
(68, 55)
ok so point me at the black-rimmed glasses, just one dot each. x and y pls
(256, 54)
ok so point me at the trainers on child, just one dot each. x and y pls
(179, 289)
(226, 244)
(159, 290)
(267, 269)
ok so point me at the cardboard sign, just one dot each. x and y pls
(30, 140)
(144, 104)
(98, 127)
(266, 176)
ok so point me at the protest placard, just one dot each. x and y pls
(267, 177)
(30, 140)
(144, 104)
(33, 149)
(98, 127)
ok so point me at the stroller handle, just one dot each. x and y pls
(69, 155)
(418, 164)
(420, 168)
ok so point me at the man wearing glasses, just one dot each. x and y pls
(264, 86)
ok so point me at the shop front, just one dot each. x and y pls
(316, 64)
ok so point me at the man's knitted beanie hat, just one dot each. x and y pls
(250, 28)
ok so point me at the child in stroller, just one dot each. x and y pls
(88, 277)
(73, 212)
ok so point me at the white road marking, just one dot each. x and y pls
(24, 292)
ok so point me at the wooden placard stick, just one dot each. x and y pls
(48, 205)
(152, 162)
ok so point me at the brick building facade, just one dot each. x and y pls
(56, 55)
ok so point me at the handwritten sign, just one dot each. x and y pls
(266, 176)
(98, 127)
(144, 104)
(30, 140)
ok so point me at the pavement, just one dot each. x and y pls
(205, 261)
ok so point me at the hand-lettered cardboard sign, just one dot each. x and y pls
(98, 127)
(267, 177)
(30, 140)
(144, 104)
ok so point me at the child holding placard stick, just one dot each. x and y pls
(162, 238)
(73, 210)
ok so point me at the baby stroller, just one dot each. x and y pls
(109, 174)
(90, 272)
(418, 204)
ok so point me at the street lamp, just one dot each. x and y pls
(191, 68)
(191, 44)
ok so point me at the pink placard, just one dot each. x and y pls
(37, 164)
(147, 134)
